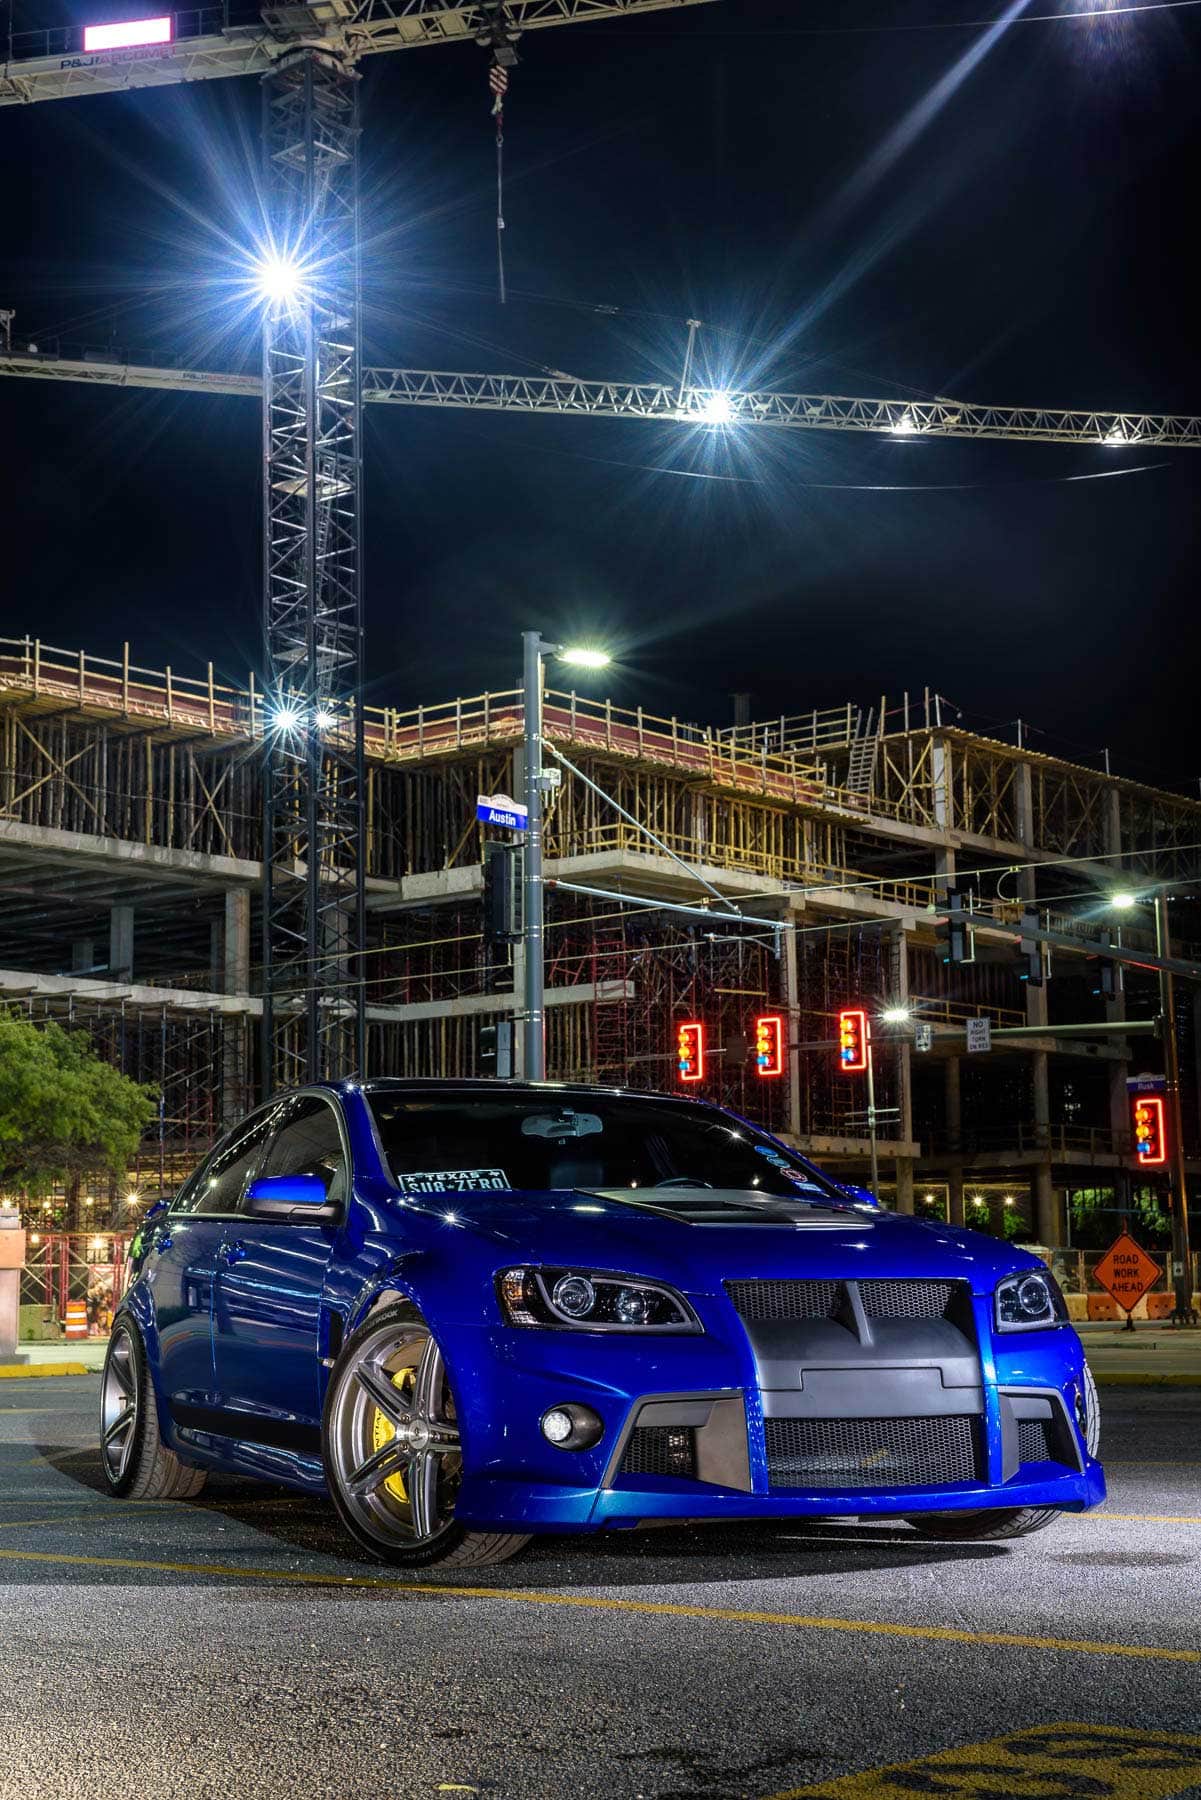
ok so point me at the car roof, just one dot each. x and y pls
(482, 1087)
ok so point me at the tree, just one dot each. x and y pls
(63, 1110)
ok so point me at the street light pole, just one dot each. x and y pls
(533, 1023)
(871, 1113)
(1182, 1268)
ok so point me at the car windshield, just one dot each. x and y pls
(457, 1142)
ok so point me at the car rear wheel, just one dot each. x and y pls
(137, 1464)
(392, 1453)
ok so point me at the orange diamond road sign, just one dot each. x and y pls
(1127, 1272)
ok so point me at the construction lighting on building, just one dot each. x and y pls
(716, 409)
(279, 279)
(1009, 1199)
(904, 425)
(323, 719)
(585, 659)
(129, 34)
(285, 718)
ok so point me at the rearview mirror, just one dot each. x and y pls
(300, 1198)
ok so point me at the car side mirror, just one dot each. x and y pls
(302, 1199)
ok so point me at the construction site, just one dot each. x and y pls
(132, 869)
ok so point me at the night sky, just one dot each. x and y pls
(779, 171)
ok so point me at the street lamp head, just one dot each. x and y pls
(896, 1015)
(585, 659)
(1123, 901)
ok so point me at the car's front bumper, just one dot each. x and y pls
(520, 1483)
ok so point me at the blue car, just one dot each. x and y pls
(471, 1312)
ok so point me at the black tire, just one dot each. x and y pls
(142, 1467)
(373, 1516)
(1092, 1414)
(988, 1526)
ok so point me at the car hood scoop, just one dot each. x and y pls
(738, 1206)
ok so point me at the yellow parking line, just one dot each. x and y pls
(942, 1634)
(1144, 1518)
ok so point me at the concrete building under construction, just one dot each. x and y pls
(131, 874)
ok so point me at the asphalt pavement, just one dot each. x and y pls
(235, 1646)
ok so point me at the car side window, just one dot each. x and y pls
(309, 1142)
(222, 1181)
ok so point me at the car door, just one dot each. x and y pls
(270, 1285)
(180, 1265)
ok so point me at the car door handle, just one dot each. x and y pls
(233, 1253)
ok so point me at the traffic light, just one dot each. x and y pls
(502, 894)
(1107, 982)
(496, 1050)
(1150, 1138)
(1030, 950)
(852, 1040)
(690, 1050)
(769, 1044)
(954, 933)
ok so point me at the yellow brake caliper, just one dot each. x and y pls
(383, 1431)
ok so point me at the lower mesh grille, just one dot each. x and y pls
(660, 1450)
(1037, 1441)
(870, 1453)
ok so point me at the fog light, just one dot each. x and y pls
(572, 1427)
(556, 1425)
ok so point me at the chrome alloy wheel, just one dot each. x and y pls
(119, 1405)
(393, 1442)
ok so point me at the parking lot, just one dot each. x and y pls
(234, 1646)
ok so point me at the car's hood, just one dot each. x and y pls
(699, 1237)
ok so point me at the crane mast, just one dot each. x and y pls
(313, 777)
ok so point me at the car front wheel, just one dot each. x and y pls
(391, 1448)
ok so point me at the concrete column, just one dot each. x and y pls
(954, 1129)
(1049, 1210)
(83, 956)
(235, 1075)
(942, 784)
(904, 1168)
(120, 943)
(237, 941)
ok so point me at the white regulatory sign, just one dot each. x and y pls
(979, 1035)
(923, 1036)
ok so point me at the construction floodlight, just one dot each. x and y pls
(128, 34)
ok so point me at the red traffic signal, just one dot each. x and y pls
(690, 1050)
(1150, 1138)
(852, 1040)
(769, 1044)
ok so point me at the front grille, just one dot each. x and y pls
(783, 1299)
(660, 1450)
(870, 1453)
(755, 1300)
(906, 1299)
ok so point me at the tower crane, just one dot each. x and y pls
(307, 54)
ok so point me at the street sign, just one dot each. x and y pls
(1126, 1272)
(979, 1035)
(923, 1036)
(499, 809)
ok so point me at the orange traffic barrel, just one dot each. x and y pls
(75, 1324)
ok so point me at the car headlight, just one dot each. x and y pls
(591, 1302)
(1030, 1301)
